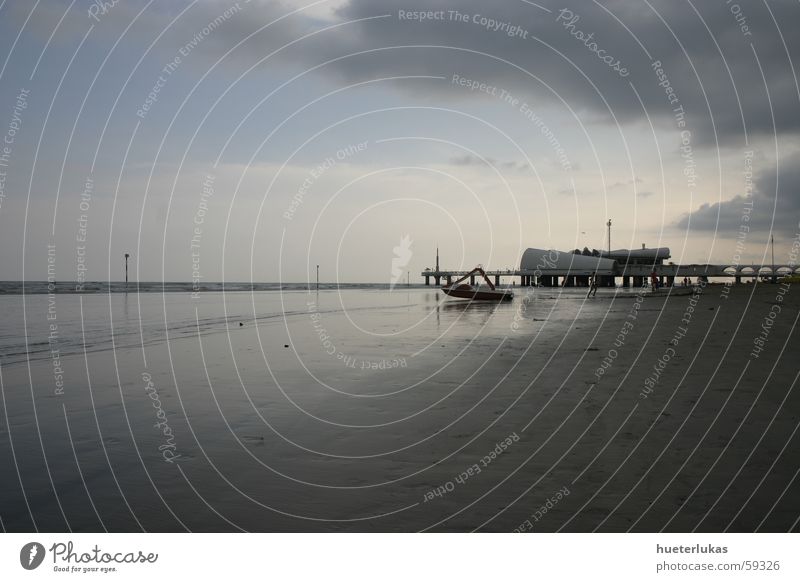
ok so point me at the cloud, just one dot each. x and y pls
(731, 73)
(471, 160)
(774, 205)
(623, 185)
(708, 59)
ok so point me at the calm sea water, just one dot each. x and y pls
(61, 287)
(39, 318)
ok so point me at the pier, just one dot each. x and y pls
(550, 268)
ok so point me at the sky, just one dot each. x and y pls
(252, 141)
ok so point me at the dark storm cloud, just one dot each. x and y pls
(712, 57)
(774, 205)
(727, 64)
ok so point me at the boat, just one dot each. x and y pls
(461, 290)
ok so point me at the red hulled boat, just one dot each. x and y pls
(478, 293)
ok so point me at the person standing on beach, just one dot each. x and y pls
(592, 286)
(654, 279)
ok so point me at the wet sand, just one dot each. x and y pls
(404, 411)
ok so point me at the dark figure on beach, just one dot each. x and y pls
(654, 280)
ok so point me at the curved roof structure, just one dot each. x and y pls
(657, 254)
(559, 262)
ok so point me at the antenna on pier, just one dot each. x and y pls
(437, 259)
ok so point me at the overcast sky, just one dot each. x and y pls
(254, 140)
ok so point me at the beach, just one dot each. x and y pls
(400, 410)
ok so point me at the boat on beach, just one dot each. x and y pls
(460, 290)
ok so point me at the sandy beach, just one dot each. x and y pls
(370, 410)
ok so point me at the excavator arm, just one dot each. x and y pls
(475, 271)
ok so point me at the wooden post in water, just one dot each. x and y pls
(126, 269)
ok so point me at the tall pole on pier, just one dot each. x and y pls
(317, 277)
(774, 275)
(437, 259)
(126, 269)
(609, 238)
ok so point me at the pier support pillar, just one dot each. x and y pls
(472, 280)
(437, 279)
(737, 279)
(497, 280)
(427, 280)
(626, 281)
